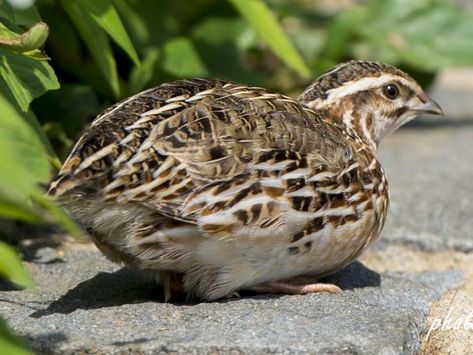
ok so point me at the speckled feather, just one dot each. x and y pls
(227, 185)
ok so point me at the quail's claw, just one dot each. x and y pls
(171, 282)
(232, 295)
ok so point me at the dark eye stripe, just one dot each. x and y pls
(406, 91)
(409, 92)
(396, 113)
(400, 111)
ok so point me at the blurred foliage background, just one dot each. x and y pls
(279, 44)
(64, 61)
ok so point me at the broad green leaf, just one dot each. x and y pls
(11, 267)
(135, 23)
(30, 117)
(32, 39)
(27, 78)
(9, 343)
(59, 216)
(341, 31)
(224, 40)
(71, 55)
(25, 165)
(18, 210)
(6, 11)
(5, 32)
(18, 19)
(220, 30)
(260, 17)
(142, 74)
(105, 14)
(182, 59)
(26, 17)
(426, 34)
(24, 161)
(97, 42)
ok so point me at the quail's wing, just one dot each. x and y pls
(110, 157)
(226, 157)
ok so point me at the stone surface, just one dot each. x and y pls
(85, 304)
(455, 305)
(452, 89)
(430, 172)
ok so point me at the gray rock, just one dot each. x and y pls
(85, 304)
(429, 168)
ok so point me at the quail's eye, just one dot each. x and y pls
(391, 91)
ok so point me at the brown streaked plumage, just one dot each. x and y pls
(229, 187)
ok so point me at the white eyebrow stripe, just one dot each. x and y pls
(354, 86)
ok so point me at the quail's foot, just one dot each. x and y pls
(171, 283)
(232, 295)
(295, 286)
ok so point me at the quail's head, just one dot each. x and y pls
(369, 98)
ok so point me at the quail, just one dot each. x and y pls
(214, 187)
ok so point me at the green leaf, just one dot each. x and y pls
(260, 17)
(18, 19)
(135, 23)
(29, 117)
(32, 120)
(24, 161)
(11, 267)
(105, 14)
(26, 17)
(6, 11)
(32, 39)
(182, 59)
(97, 42)
(18, 210)
(223, 40)
(221, 30)
(425, 34)
(25, 165)
(60, 216)
(9, 343)
(340, 33)
(27, 78)
(142, 74)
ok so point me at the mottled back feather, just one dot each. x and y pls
(177, 148)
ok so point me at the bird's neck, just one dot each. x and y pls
(359, 124)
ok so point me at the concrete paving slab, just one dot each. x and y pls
(430, 171)
(84, 304)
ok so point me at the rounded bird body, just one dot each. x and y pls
(232, 187)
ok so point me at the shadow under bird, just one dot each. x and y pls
(212, 187)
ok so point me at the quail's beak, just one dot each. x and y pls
(430, 107)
